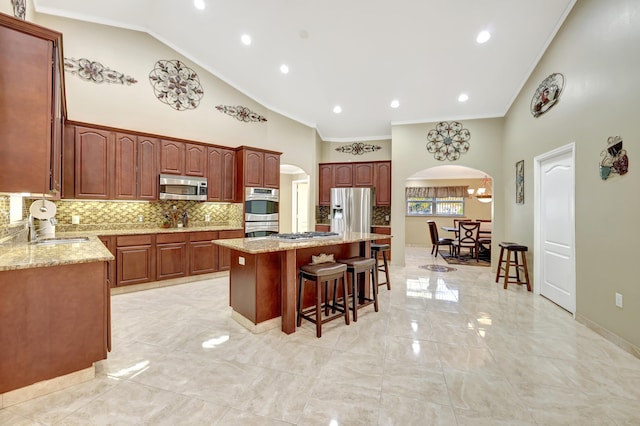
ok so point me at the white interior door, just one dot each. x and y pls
(301, 206)
(555, 227)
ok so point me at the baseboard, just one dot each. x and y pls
(166, 283)
(612, 337)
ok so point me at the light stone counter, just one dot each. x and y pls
(267, 244)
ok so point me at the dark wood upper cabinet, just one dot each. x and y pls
(325, 183)
(271, 170)
(148, 164)
(382, 183)
(94, 152)
(172, 156)
(254, 168)
(125, 173)
(221, 174)
(363, 175)
(32, 107)
(195, 160)
(342, 175)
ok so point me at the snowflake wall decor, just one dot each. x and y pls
(94, 71)
(448, 140)
(176, 85)
(358, 148)
(241, 113)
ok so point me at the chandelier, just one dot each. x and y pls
(482, 193)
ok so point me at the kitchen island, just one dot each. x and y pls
(263, 276)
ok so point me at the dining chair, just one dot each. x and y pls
(436, 241)
(467, 238)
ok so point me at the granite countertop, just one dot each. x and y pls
(267, 244)
(26, 255)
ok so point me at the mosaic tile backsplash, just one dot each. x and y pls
(97, 215)
(378, 218)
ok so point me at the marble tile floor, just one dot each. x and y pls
(448, 348)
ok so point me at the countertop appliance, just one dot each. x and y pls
(261, 211)
(173, 187)
(351, 209)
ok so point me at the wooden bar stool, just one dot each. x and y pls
(509, 279)
(356, 265)
(319, 274)
(375, 250)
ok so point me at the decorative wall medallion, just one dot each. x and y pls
(176, 85)
(448, 140)
(19, 8)
(358, 148)
(614, 158)
(547, 94)
(94, 71)
(241, 113)
(520, 182)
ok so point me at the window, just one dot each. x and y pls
(423, 206)
(435, 201)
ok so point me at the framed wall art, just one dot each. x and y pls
(520, 182)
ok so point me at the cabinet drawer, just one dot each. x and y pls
(203, 236)
(133, 240)
(179, 237)
(239, 233)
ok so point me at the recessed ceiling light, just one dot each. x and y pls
(463, 97)
(337, 109)
(483, 37)
(199, 4)
(284, 69)
(395, 103)
(246, 39)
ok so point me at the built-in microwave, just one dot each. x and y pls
(174, 187)
(261, 204)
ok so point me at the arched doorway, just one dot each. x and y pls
(295, 210)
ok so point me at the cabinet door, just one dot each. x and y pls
(172, 157)
(148, 161)
(93, 163)
(323, 228)
(203, 257)
(195, 160)
(228, 175)
(342, 175)
(383, 183)
(271, 170)
(26, 112)
(254, 168)
(109, 243)
(171, 260)
(363, 175)
(125, 173)
(214, 173)
(134, 265)
(325, 181)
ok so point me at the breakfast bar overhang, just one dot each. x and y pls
(263, 275)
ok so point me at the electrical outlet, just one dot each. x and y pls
(207, 217)
(241, 260)
(386, 218)
(618, 300)
(140, 218)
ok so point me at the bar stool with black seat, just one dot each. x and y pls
(355, 266)
(323, 273)
(514, 248)
(375, 250)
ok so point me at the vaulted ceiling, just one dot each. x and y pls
(358, 54)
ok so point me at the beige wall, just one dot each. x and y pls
(597, 51)
(416, 231)
(410, 155)
(330, 155)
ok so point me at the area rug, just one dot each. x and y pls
(464, 259)
(437, 268)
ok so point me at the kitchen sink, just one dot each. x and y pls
(62, 240)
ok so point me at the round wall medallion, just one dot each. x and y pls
(547, 94)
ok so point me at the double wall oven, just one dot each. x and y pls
(260, 212)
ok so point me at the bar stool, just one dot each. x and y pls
(323, 273)
(514, 248)
(375, 250)
(356, 265)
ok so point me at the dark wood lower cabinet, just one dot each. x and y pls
(203, 254)
(225, 253)
(171, 256)
(135, 259)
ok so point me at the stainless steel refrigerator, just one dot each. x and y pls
(351, 209)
